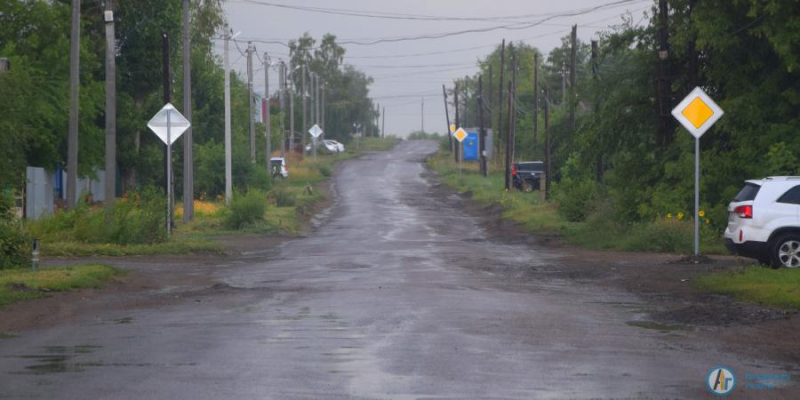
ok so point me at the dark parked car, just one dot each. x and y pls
(527, 175)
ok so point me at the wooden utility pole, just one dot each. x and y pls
(290, 88)
(282, 99)
(572, 75)
(422, 115)
(488, 105)
(508, 180)
(595, 76)
(547, 168)
(447, 115)
(267, 120)
(111, 107)
(535, 99)
(458, 121)
(251, 125)
(465, 96)
(322, 109)
(74, 85)
(663, 81)
(167, 83)
(500, 98)
(482, 133)
(383, 123)
(188, 141)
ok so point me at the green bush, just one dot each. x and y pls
(662, 235)
(140, 218)
(14, 244)
(283, 198)
(245, 209)
(325, 170)
(576, 198)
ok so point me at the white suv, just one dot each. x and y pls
(764, 221)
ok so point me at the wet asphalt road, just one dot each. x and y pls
(393, 295)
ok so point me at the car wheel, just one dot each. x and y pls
(785, 251)
(527, 187)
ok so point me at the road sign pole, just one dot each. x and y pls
(315, 149)
(169, 174)
(696, 197)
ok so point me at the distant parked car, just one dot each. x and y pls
(279, 168)
(526, 175)
(764, 221)
(333, 146)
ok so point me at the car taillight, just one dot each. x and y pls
(744, 211)
(513, 171)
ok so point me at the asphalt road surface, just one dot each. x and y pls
(398, 293)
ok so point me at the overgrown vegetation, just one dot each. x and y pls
(598, 226)
(138, 218)
(18, 285)
(245, 209)
(14, 244)
(625, 153)
(771, 287)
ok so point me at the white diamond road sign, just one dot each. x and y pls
(168, 124)
(697, 112)
(315, 131)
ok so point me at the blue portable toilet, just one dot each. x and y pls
(471, 146)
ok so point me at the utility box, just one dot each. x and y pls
(471, 146)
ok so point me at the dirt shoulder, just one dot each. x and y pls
(662, 281)
(154, 281)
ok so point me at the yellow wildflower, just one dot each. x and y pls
(701, 213)
(680, 215)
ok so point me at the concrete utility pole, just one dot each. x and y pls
(482, 132)
(267, 119)
(535, 99)
(422, 115)
(572, 76)
(500, 98)
(282, 95)
(664, 83)
(228, 155)
(74, 85)
(188, 141)
(322, 110)
(250, 114)
(305, 127)
(167, 83)
(290, 86)
(111, 107)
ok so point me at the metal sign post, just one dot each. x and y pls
(168, 124)
(697, 113)
(460, 135)
(315, 131)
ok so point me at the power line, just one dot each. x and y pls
(417, 17)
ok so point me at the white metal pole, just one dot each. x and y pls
(697, 197)
(169, 172)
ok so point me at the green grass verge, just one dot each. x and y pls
(542, 217)
(18, 285)
(755, 284)
(175, 246)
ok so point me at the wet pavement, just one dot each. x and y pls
(396, 294)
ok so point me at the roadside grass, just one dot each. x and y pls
(288, 204)
(756, 284)
(599, 231)
(183, 245)
(16, 285)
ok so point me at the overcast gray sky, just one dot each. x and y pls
(397, 68)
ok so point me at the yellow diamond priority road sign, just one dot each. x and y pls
(697, 112)
(460, 135)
